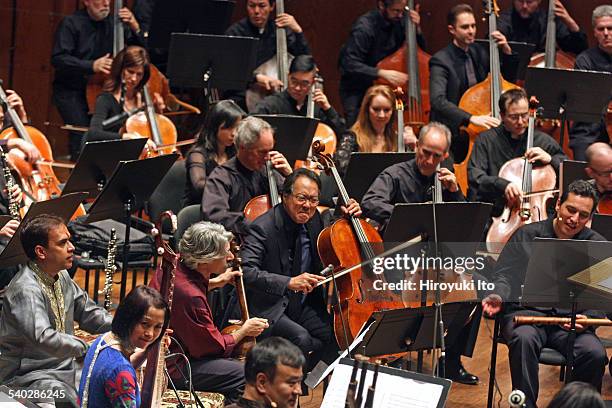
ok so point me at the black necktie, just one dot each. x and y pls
(304, 242)
(469, 71)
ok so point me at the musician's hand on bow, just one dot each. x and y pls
(253, 327)
(410, 138)
(320, 99)
(579, 328)
(538, 154)
(287, 20)
(485, 121)
(396, 78)
(103, 64)
(448, 180)
(28, 149)
(563, 14)
(513, 194)
(15, 102)
(353, 208)
(280, 163)
(158, 102)
(8, 230)
(269, 83)
(491, 305)
(223, 279)
(304, 283)
(126, 16)
(502, 42)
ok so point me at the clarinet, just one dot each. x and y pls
(9, 181)
(109, 269)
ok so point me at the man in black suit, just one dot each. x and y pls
(456, 68)
(280, 265)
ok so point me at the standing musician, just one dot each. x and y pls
(526, 22)
(215, 146)
(494, 147)
(294, 100)
(205, 250)
(260, 24)
(599, 159)
(82, 47)
(280, 264)
(231, 185)
(412, 182)
(598, 58)
(130, 71)
(456, 68)
(37, 343)
(273, 372)
(574, 209)
(374, 131)
(374, 36)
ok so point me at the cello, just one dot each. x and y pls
(415, 62)
(537, 185)
(262, 203)
(482, 98)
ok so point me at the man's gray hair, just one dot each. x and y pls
(203, 242)
(440, 127)
(249, 131)
(605, 10)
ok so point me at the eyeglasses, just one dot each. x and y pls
(516, 116)
(301, 199)
(302, 84)
(605, 173)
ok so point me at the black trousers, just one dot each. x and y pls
(222, 375)
(351, 102)
(72, 106)
(525, 343)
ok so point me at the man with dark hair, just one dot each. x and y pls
(273, 373)
(456, 68)
(261, 24)
(294, 100)
(598, 58)
(374, 36)
(493, 148)
(599, 159)
(37, 343)
(281, 264)
(526, 22)
(574, 210)
(231, 185)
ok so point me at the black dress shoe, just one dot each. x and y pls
(461, 375)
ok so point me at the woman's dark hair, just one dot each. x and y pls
(36, 232)
(129, 57)
(224, 114)
(302, 172)
(577, 394)
(266, 354)
(132, 309)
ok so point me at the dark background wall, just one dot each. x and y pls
(27, 28)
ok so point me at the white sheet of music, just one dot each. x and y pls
(392, 391)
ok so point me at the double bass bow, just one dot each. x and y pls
(537, 185)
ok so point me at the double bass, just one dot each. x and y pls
(537, 185)
(412, 60)
(482, 98)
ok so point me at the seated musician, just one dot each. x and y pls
(83, 45)
(597, 58)
(129, 74)
(260, 23)
(37, 343)
(456, 68)
(494, 147)
(204, 250)
(231, 185)
(375, 128)
(574, 209)
(294, 100)
(110, 363)
(599, 159)
(374, 36)
(273, 373)
(215, 146)
(412, 182)
(29, 151)
(280, 265)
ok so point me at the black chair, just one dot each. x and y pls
(185, 218)
(548, 356)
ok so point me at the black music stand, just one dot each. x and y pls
(557, 276)
(572, 170)
(63, 207)
(97, 162)
(363, 168)
(567, 94)
(603, 224)
(211, 61)
(292, 134)
(131, 184)
(523, 52)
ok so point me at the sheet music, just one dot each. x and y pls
(392, 391)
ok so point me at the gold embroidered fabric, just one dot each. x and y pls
(52, 288)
